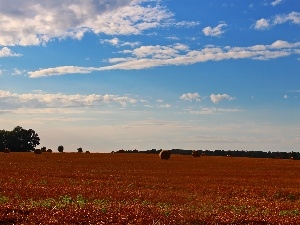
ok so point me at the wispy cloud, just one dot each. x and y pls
(10, 100)
(178, 54)
(118, 42)
(213, 110)
(263, 24)
(276, 2)
(214, 31)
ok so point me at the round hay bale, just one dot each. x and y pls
(165, 154)
(6, 150)
(195, 153)
(87, 151)
(37, 151)
(49, 150)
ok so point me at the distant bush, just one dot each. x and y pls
(60, 149)
(196, 153)
(37, 151)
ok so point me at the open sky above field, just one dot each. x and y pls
(124, 74)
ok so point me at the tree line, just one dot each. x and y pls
(22, 140)
(19, 140)
(227, 153)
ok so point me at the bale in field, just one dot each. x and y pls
(165, 154)
(87, 151)
(195, 153)
(6, 150)
(37, 151)
(49, 150)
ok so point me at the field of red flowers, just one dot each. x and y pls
(79, 188)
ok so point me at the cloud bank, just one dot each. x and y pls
(36, 22)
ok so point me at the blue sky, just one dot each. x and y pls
(142, 74)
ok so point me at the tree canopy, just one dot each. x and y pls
(19, 140)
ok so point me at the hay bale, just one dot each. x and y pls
(195, 153)
(49, 150)
(165, 154)
(87, 151)
(37, 151)
(6, 150)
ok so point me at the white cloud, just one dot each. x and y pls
(190, 97)
(262, 24)
(36, 22)
(281, 44)
(276, 2)
(216, 98)
(114, 41)
(153, 56)
(6, 52)
(285, 96)
(215, 31)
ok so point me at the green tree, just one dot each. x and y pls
(60, 148)
(21, 140)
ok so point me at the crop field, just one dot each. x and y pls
(80, 188)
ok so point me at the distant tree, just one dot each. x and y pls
(60, 148)
(21, 140)
(43, 149)
(79, 150)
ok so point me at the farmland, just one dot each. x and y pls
(79, 188)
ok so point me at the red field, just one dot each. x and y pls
(73, 188)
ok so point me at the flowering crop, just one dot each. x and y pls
(73, 188)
